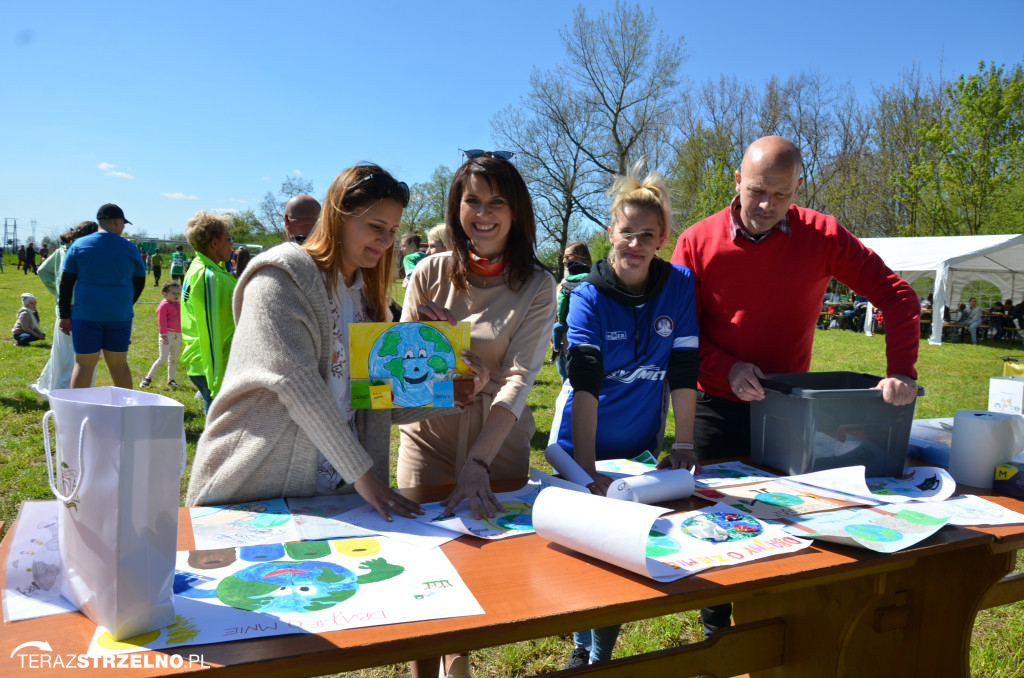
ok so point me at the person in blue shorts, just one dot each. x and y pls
(105, 275)
(632, 340)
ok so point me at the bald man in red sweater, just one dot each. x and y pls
(761, 267)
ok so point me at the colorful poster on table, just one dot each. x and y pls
(621, 468)
(410, 364)
(243, 524)
(302, 587)
(641, 539)
(515, 520)
(316, 517)
(33, 565)
(728, 473)
(886, 528)
(773, 500)
(919, 483)
(969, 510)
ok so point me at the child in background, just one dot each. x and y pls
(26, 325)
(168, 317)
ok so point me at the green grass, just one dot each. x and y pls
(954, 375)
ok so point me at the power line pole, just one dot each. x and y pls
(11, 233)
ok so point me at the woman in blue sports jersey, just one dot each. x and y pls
(632, 335)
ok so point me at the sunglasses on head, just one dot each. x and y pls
(477, 152)
(381, 186)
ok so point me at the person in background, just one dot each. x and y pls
(242, 258)
(104, 275)
(26, 323)
(21, 257)
(611, 407)
(168, 320)
(283, 424)
(576, 260)
(492, 279)
(300, 215)
(762, 241)
(30, 258)
(178, 262)
(437, 239)
(157, 262)
(206, 321)
(411, 255)
(974, 319)
(44, 252)
(57, 372)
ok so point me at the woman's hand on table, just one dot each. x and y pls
(481, 375)
(680, 459)
(474, 484)
(384, 499)
(430, 310)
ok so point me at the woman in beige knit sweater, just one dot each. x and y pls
(282, 425)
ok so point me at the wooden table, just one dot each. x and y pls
(823, 611)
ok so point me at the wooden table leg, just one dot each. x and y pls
(915, 621)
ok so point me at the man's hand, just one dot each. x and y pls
(898, 389)
(744, 380)
(65, 325)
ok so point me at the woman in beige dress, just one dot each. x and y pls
(491, 278)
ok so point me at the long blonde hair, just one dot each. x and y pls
(649, 192)
(324, 242)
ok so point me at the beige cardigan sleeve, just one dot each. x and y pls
(280, 341)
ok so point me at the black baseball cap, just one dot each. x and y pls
(111, 211)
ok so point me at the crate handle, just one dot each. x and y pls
(781, 387)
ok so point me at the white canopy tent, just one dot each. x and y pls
(954, 261)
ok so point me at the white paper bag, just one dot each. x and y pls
(119, 461)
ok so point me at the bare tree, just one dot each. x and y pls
(621, 73)
(607, 106)
(271, 208)
(567, 190)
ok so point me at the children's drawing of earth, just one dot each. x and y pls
(660, 544)
(778, 499)
(517, 516)
(719, 527)
(303, 586)
(410, 354)
(871, 532)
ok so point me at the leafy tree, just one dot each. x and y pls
(427, 201)
(974, 150)
(248, 229)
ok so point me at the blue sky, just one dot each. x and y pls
(168, 108)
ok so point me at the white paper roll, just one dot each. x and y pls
(652, 487)
(566, 465)
(981, 441)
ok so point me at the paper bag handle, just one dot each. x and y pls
(184, 453)
(51, 464)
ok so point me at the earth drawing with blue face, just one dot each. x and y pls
(410, 354)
